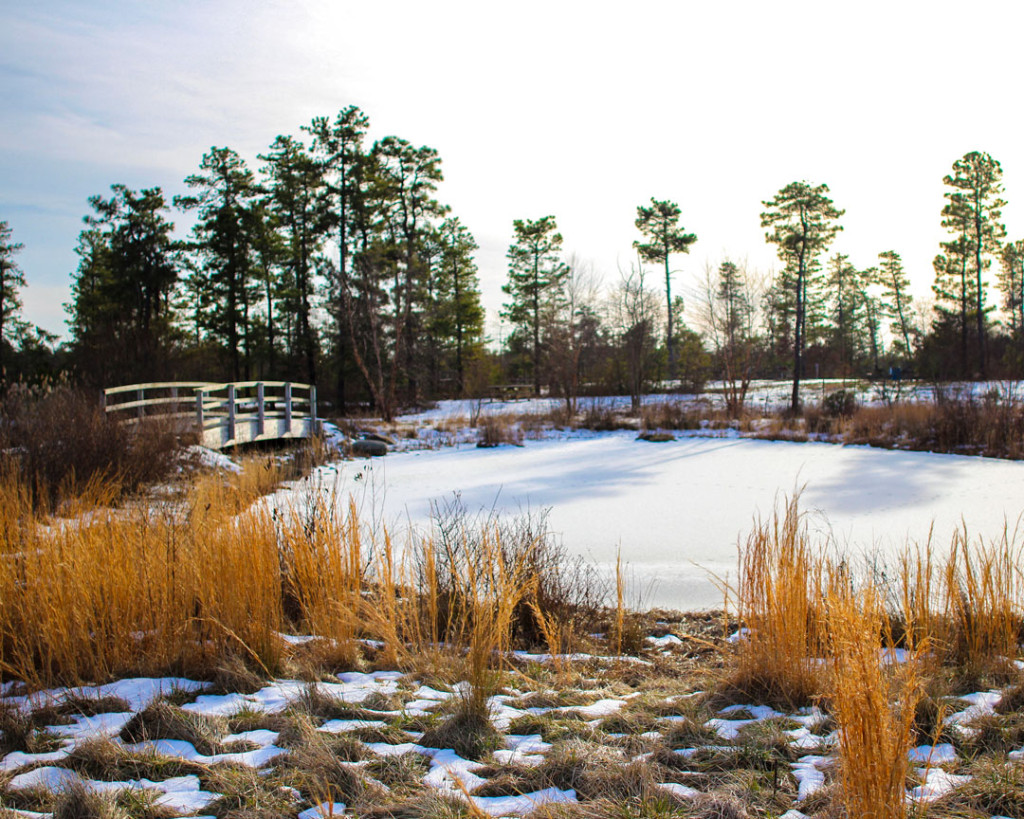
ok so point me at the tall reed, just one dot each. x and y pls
(983, 593)
(180, 586)
(779, 599)
(873, 702)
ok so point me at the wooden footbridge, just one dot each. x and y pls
(224, 415)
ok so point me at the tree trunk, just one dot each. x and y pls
(669, 340)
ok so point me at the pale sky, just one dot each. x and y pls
(583, 110)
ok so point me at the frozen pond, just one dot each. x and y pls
(678, 509)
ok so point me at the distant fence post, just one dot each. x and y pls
(199, 411)
(231, 412)
(288, 406)
(312, 410)
(261, 418)
(140, 395)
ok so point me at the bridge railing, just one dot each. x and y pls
(163, 398)
(224, 414)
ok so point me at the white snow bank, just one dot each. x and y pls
(937, 783)
(212, 459)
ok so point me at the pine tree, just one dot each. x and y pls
(339, 147)
(1011, 282)
(409, 177)
(535, 273)
(973, 209)
(223, 240)
(895, 298)
(873, 309)
(660, 226)
(120, 313)
(11, 278)
(296, 198)
(459, 316)
(841, 285)
(802, 223)
(954, 287)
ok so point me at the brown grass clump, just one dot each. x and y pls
(316, 768)
(779, 598)
(875, 735)
(996, 788)
(160, 720)
(248, 792)
(78, 801)
(468, 732)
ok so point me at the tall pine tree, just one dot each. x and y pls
(660, 226)
(224, 194)
(802, 221)
(535, 274)
(11, 279)
(974, 206)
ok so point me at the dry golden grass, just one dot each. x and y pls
(874, 704)
(954, 422)
(209, 580)
(778, 597)
(982, 590)
(137, 590)
(967, 606)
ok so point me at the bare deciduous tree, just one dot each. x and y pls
(729, 304)
(632, 310)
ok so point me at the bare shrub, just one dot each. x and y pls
(955, 421)
(672, 415)
(601, 416)
(60, 442)
(562, 592)
(495, 430)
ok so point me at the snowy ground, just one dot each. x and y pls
(678, 509)
(446, 772)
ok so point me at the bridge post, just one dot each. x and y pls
(140, 395)
(231, 412)
(261, 418)
(288, 405)
(199, 412)
(312, 410)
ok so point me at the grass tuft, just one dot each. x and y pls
(875, 734)
(779, 601)
(78, 801)
(160, 720)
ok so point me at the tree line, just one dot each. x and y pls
(335, 262)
